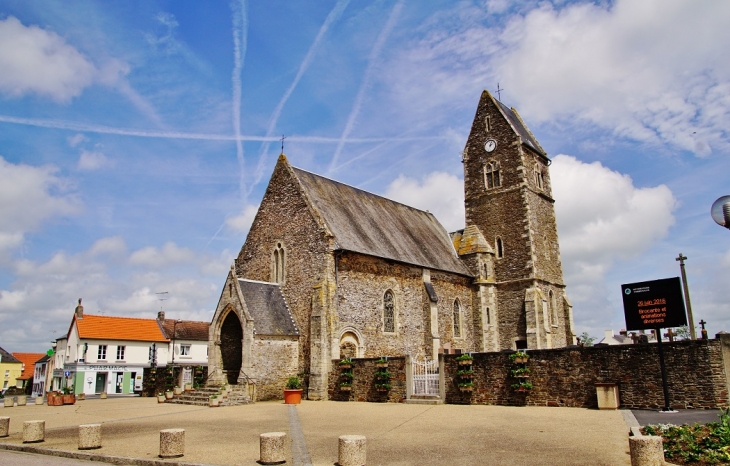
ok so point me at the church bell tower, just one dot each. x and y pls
(508, 198)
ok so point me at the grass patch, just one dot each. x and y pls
(698, 444)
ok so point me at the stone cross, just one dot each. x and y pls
(704, 332)
(282, 143)
(681, 258)
(670, 335)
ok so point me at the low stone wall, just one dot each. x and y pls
(567, 376)
(363, 383)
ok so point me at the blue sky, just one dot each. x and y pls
(137, 138)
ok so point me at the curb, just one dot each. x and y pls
(95, 456)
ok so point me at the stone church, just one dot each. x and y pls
(329, 271)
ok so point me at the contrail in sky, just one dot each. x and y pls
(101, 129)
(374, 53)
(240, 34)
(331, 18)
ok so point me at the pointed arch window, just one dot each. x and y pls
(388, 312)
(491, 175)
(278, 264)
(500, 248)
(457, 319)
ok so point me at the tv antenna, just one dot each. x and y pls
(161, 298)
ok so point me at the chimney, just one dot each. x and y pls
(161, 316)
(79, 310)
(623, 332)
(608, 334)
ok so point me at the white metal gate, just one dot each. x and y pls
(425, 377)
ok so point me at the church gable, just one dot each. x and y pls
(268, 309)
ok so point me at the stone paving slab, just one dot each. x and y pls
(397, 434)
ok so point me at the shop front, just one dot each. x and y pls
(92, 379)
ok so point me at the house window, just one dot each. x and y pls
(120, 353)
(491, 175)
(388, 312)
(101, 354)
(457, 319)
(500, 248)
(278, 264)
(184, 350)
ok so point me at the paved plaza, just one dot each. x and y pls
(397, 434)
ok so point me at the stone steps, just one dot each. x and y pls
(424, 400)
(200, 397)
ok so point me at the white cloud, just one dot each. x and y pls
(169, 254)
(602, 217)
(440, 193)
(29, 196)
(76, 139)
(93, 160)
(242, 222)
(652, 71)
(111, 246)
(34, 60)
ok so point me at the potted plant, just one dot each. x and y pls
(522, 387)
(382, 387)
(213, 401)
(345, 363)
(346, 386)
(466, 386)
(465, 373)
(188, 386)
(465, 359)
(382, 362)
(519, 357)
(161, 397)
(55, 399)
(293, 391)
(178, 390)
(520, 372)
(68, 396)
(168, 394)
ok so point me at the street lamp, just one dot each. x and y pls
(721, 211)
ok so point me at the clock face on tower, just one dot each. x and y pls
(490, 145)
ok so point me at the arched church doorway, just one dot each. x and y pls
(231, 347)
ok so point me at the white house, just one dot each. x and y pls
(40, 376)
(188, 344)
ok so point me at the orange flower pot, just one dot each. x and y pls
(293, 397)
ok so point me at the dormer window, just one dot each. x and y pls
(491, 175)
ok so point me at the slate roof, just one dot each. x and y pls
(521, 129)
(9, 358)
(370, 224)
(185, 330)
(119, 328)
(266, 304)
(28, 360)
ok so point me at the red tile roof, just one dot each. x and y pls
(185, 329)
(118, 328)
(28, 360)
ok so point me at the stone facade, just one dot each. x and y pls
(363, 385)
(366, 277)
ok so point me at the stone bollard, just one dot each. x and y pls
(38, 401)
(8, 402)
(102, 395)
(172, 443)
(4, 426)
(352, 450)
(271, 447)
(646, 450)
(34, 431)
(22, 400)
(89, 436)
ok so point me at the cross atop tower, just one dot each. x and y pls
(282, 143)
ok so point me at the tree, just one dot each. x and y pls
(586, 339)
(682, 333)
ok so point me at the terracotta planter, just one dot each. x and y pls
(520, 360)
(466, 376)
(55, 399)
(161, 398)
(292, 396)
(178, 391)
(381, 364)
(345, 366)
(345, 388)
(69, 399)
(466, 389)
(523, 390)
(188, 387)
(466, 362)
